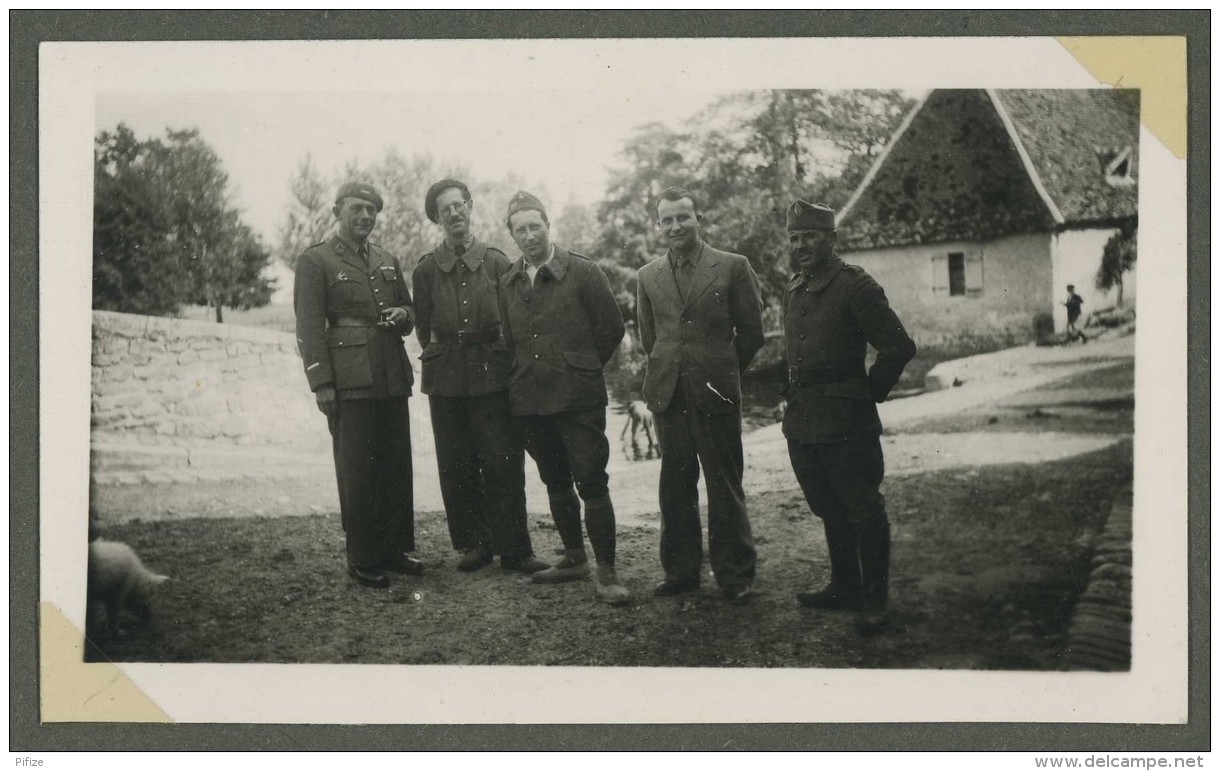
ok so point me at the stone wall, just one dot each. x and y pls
(166, 381)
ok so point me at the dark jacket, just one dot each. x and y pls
(457, 316)
(710, 338)
(830, 318)
(333, 282)
(561, 331)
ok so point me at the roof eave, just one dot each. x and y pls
(885, 153)
(1026, 161)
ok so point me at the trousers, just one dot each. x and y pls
(691, 439)
(371, 439)
(482, 473)
(571, 451)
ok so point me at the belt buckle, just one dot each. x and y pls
(792, 375)
(462, 336)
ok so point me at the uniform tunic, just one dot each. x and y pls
(562, 327)
(465, 362)
(834, 433)
(338, 296)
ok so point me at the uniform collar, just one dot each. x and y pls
(556, 264)
(821, 276)
(446, 259)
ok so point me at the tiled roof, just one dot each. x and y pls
(1070, 134)
(956, 173)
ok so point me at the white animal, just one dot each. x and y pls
(118, 581)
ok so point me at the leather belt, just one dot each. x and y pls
(822, 375)
(468, 336)
(349, 321)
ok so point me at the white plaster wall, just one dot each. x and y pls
(1077, 256)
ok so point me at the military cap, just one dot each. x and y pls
(362, 190)
(803, 215)
(522, 201)
(435, 191)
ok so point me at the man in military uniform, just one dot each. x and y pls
(353, 308)
(832, 313)
(465, 374)
(563, 324)
(700, 321)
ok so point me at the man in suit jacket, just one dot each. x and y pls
(832, 313)
(700, 321)
(562, 325)
(353, 308)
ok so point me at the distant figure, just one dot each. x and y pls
(639, 418)
(1073, 304)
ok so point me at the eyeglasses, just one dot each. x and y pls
(453, 208)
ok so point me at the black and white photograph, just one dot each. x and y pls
(789, 375)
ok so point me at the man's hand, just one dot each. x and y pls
(328, 402)
(393, 318)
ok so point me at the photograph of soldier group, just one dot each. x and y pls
(513, 349)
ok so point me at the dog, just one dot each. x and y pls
(118, 581)
(639, 417)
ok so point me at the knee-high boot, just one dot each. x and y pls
(875, 565)
(843, 592)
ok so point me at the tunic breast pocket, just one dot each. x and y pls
(349, 357)
(347, 294)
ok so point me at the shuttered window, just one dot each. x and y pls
(957, 274)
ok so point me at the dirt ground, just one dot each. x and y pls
(987, 563)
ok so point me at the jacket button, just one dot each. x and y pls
(376, 291)
(536, 356)
(340, 343)
(535, 335)
(802, 335)
(465, 302)
(463, 283)
(803, 312)
(465, 321)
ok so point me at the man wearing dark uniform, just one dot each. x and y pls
(832, 313)
(465, 374)
(563, 325)
(352, 311)
(700, 322)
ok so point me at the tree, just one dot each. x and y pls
(136, 267)
(309, 219)
(164, 232)
(1117, 257)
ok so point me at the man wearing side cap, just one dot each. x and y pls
(352, 311)
(465, 365)
(700, 321)
(832, 313)
(563, 324)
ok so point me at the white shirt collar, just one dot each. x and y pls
(531, 271)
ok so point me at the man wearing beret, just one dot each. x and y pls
(352, 311)
(700, 321)
(465, 374)
(832, 313)
(563, 325)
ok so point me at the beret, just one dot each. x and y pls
(803, 215)
(435, 191)
(362, 190)
(522, 201)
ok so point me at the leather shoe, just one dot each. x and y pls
(669, 587)
(568, 569)
(609, 588)
(401, 563)
(474, 558)
(738, 595)
(368, 576)
(529, 564)
(830, 599)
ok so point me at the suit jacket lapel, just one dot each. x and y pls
(705, 274)
(348, 252)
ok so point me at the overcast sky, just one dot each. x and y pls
(564, 140)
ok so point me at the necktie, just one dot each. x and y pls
(683, 276)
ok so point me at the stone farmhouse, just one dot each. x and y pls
(987, 203)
